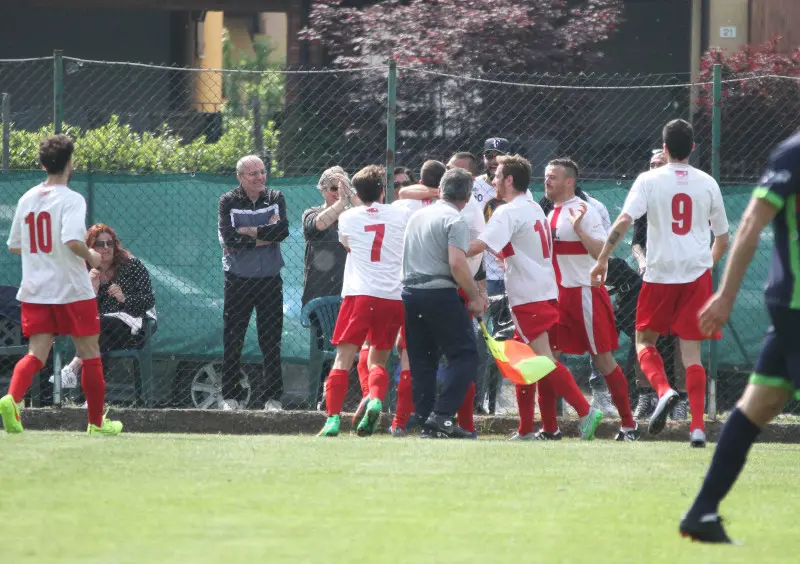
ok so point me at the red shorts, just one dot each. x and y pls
(673, 308)
(77, 319)
(367, 317)
(533, 319)
(586, 321)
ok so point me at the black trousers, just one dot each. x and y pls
(116, 334)
(438, 324)
(242, 296)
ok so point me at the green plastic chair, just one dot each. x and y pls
(325, 310)
(144, 359)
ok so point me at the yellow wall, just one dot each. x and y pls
(275, 30)
(724, 13)
(208, 85)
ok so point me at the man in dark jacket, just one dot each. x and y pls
(252, 223)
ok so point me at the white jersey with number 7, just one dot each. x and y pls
(374, 235)
(46, 218)
(683, 206)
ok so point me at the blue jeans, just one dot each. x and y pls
(438, 324)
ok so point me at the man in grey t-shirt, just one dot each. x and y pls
(434, 266)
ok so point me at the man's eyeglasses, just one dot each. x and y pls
(491, 154)
(103, 244)
(402, 184)
(256, 173)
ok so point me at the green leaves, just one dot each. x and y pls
(116, 147)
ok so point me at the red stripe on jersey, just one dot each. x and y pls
(569, 248)
(508, 251)
(553, 223)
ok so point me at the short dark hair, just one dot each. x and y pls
(431, 174)
(678, 136)
(569, 166)
(404, 170)
(55, 152)
(369, 183)
(466, 155)
(518, 168)
(456, 185)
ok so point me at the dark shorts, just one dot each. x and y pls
(778, 364)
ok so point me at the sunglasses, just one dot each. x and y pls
(103, 244)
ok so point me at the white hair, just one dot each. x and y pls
(331, 176)
(245, 160)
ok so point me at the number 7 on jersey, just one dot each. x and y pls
(377, 243)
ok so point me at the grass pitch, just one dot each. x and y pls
(189, 498)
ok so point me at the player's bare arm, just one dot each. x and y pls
(476, 247)
(15, 250)
(756, 217)
(418, 192)
(618, 230)
(719, 247)
(593, 246)
(91, 256)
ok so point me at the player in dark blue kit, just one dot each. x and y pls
(776, 378)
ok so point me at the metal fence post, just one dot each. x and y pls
(58, 90)
(391, 125)
(6, 130)
(258, 126)
(89, 193)
(716, 133)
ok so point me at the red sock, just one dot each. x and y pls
(378, 382)
(466, 411)
(363, 371)
(24, 371)
(696, 389)
(548, 405)
(565, 386)
(618, 387)
(653, 367)
(526, 396)
(335, 390)
(94, 388)
(405, 401)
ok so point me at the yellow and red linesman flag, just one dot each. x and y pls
(517, 361)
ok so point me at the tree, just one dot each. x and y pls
(505, 41)
(760, 103)
(467, 35)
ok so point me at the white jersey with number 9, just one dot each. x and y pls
(683, 206)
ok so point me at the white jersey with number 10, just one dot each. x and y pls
(374, 235)
(48, 217)
(518, 231)
(683, 206)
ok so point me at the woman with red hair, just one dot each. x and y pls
(124, 295)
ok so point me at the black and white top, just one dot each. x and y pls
(134, 280)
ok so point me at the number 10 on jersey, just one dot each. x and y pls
(40, 232)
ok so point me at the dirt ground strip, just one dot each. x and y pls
(310, 422)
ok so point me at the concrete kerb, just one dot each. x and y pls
(310, 422)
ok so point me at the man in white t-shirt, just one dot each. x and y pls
(518, 233)
(586, 318)
(372, 308)
(48, 231)
(684, 207)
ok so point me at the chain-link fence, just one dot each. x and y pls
(157, 147)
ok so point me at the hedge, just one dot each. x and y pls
(116, 147)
